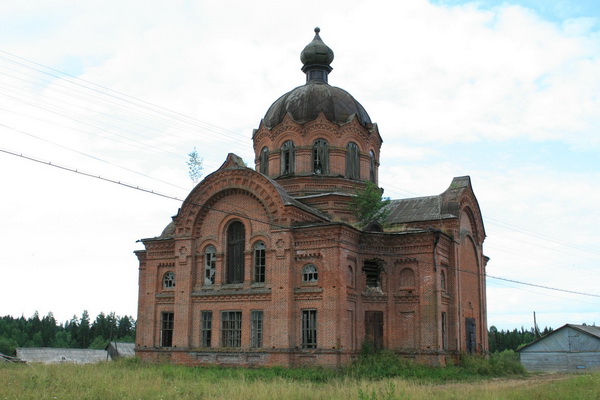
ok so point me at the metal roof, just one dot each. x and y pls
(49, 355)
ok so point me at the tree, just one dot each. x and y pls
(369, 206)
(195, 166)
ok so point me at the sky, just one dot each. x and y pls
(101, 102)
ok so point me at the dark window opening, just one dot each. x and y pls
(320, 157)
(309, 329)
(256, 329)
(167, 321)
(236, 239)
(264, 161)
(444, 331)
(352, 161)
(287, 158)
(259, 262)
(373, 274)
(231, 329)
(372, 166)
(206, 329)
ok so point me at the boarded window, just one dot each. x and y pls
(320, 157)
(167, 321)
(309, 329)
(264, 161)
(287, 158)
(256, 329)
(259, 262)
(231, 329)
(309, 273)
(236, 238)
(210, 260)
(206, 329)
(352, 161)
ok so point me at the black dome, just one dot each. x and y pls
(305, 102)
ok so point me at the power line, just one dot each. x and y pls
(135, 187)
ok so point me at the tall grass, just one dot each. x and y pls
(382, 376)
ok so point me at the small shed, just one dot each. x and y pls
(570, 348)
(120, 350)
(48, 355)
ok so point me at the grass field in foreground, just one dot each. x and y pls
(130, 380)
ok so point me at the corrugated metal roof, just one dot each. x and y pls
(416, 209)
(49, 355)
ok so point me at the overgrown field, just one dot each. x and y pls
(477, 379)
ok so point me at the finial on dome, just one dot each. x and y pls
(316, 57)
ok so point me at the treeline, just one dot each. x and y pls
(512, 340)
(79, 332)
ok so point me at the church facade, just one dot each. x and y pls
(268, 265)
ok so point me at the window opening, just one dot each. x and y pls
(309, 273)
(169, 280)
(210, 262)
(320, 157)
(352, 161)
(259, 262)
(373, 274)
(287, 158)
(231, 328)
(206, 329)
(256, 329)
(444, 331)
(309, 329)
(470, 332)
(167, 321)
(443, 280)
(236, 239)
(372, 166)
(264, 161)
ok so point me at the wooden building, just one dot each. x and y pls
(268, 265)
(570, 348)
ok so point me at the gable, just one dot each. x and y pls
(566, 339)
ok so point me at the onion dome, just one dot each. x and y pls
(304, 103)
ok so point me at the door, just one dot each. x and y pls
(374, 328)
(470, 335)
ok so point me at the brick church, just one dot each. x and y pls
(268, 265)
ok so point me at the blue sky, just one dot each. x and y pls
(505, 92)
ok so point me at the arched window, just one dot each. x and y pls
(287, 158)
(372, 166)
(236, 239)
(259, 262)
(210, 260)
(320, 157)
(443, 280)
(407, 278)
(264, 161)
(352, 161)
(309, 273)
(169, 280)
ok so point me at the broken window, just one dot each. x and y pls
(231, 328)
(309, 273)
(372, 166)
(320, 157)
(352, 161)
(287, 158)
(372, 272)
(236, 238)
(256, 329)
(309, 329)
(264, 161)
(210, 260)
(169, 280)
(259, 262)
(206, 329)
(167, 320)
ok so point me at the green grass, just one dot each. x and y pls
(387, 378)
